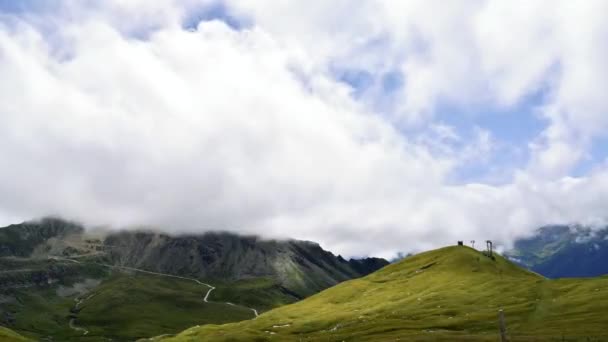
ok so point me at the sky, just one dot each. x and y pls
(372, 127)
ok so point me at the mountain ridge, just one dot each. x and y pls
(219, 255)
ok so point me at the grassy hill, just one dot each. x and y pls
(449, 294)
(9, 335)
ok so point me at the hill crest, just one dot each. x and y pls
(449, 294)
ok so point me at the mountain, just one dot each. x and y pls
(301, 267)
(450, 294)
(560, 251)
(59, 281)
(21, 240)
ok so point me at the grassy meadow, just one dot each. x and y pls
(9, 335)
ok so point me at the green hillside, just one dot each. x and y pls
(450, 294)
(128, 307)
(123, 307)
(9, 335)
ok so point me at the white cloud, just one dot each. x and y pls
(249, 131)
(468, 53)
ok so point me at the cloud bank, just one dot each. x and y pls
(315, 120)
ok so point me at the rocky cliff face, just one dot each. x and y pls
(21, 240)
(302, 267)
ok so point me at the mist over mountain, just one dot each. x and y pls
(302, 267)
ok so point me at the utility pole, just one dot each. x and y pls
(502, 326)
(489, 246)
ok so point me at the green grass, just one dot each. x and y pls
(40, 313)
(125, 307)
(9, 335)
(449, 294)
(140, 305)
(259, 293)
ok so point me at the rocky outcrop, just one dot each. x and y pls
(367, 265)
(22, 239)
(302, 267)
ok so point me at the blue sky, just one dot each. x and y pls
(214, 11)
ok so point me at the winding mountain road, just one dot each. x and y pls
(208, 293)
(205, 299)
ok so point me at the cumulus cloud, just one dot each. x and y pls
(120, 114)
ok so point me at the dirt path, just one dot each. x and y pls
(208, 293)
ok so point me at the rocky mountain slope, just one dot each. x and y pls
(21, 240)
(302, 267)
(560, 251)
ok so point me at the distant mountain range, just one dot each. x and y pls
(560, 251)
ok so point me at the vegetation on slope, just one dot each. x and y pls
(448, 294)
(9, 335)
(127, 307)
(39, 313)
(123, 307)
(262, 293)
